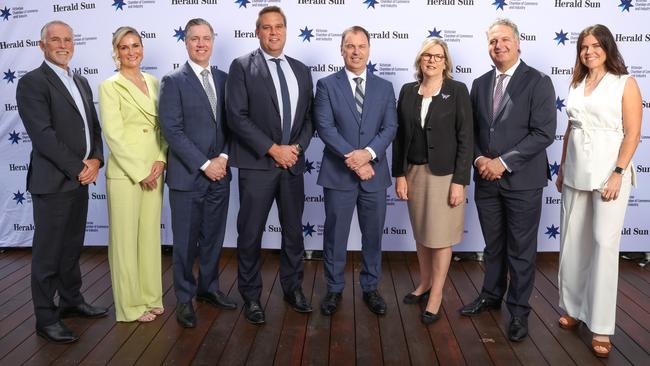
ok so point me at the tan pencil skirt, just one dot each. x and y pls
(435, 224)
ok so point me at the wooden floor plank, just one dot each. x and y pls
(352, 336)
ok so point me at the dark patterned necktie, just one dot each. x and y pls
(209, 92)
(286, 103)
(498, 95)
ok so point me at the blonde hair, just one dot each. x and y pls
(428, 43)
(120, 33)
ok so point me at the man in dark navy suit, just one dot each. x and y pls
(192, 117)
(57, 109)
(354, 112)
(269, 97)
(514, 123)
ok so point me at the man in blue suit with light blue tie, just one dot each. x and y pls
(355, 115)
(192, 117)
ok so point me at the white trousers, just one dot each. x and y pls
(589, 247)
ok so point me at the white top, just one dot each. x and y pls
(596, 133)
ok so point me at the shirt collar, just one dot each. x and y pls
(197, 68)
(268, 57)
(510, 71)
(352, 76)
(61, 72)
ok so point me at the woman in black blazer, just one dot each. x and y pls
(432, 154)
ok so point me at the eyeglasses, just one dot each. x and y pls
(429, 57)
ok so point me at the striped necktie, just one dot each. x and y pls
(209, 92)
(498, 95)
(358, 94)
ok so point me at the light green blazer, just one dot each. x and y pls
(130, 125)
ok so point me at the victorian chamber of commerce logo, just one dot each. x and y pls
(179, 34)
(552, 231)
(640, 72)
(449, 35)
(559, 104)
(21, 197)
(499, 4)
(311, 166)
(242, 3)
(561, 37)
(513, 4)
(132, 4)
(319, 34)
(308, 229)
(15, 12)
(555, 168)
(370, 3)
(16, 138)
(9, 76)
(256, 3)
(625, 5)
(385, 69)
(306, 34)
(81, 40)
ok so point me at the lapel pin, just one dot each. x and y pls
(444, 96)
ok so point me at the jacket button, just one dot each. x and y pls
(361, 133)
(491, 129)
(145, 130)
(430, 147)
(428, 128)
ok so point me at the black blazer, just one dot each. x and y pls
(56, 128)
(253, 113)
(522, 129)
(448, 129)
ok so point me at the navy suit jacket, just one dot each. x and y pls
(190, 128)
(56, 128)
(343, 130)
(523, 127)
(254, 114)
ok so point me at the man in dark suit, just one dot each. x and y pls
(192, 117)
(269, 112)
(56, 107)
(354, 113)
(514, 122)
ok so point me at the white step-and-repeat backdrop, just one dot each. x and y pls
(549, 30)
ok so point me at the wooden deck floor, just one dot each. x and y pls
(352, 336)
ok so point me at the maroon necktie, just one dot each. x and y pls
(498, 95)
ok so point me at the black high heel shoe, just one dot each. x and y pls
(411, 298)
(428, 317)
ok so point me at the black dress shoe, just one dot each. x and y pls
(217, 299)
(329, 303)
(479, 305)
(185, 315)
(518, 329)
(83, 310)
(375, 302)
(429, 317)
(298, 301)
(412, 298)
(253, 312)
(57, 333)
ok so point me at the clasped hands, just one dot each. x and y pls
(359, 162)
(285, 156)
(89, 173)
(490, 169)
(151, 181)
(217, 169)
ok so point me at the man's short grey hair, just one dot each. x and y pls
(197, 21)
(48, 24)
(508, 23)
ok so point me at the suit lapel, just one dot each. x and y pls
(196, 84)
(301, 93)
(260, 64)
(54, 79)
(145, 104)
(346, 91)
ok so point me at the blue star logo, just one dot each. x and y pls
(434, 33)
(309, 166)
(14, 137)
(306, 34)
(242, 3)
(5, 13)
(499, 4)
(625, 5)
(555, 168)
(371, 67)
(561, 37)
(552, 231)
(118, 4)
(179, 34)
(9, 76)
(559, 104)
(371, 3)
(19, 197)
(308, 230)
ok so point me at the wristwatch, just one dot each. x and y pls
(299, 148)
(618, 170)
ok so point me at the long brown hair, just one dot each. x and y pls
(614, 61)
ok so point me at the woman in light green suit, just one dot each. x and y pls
(134, 183)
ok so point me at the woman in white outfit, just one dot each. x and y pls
(595, 178)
